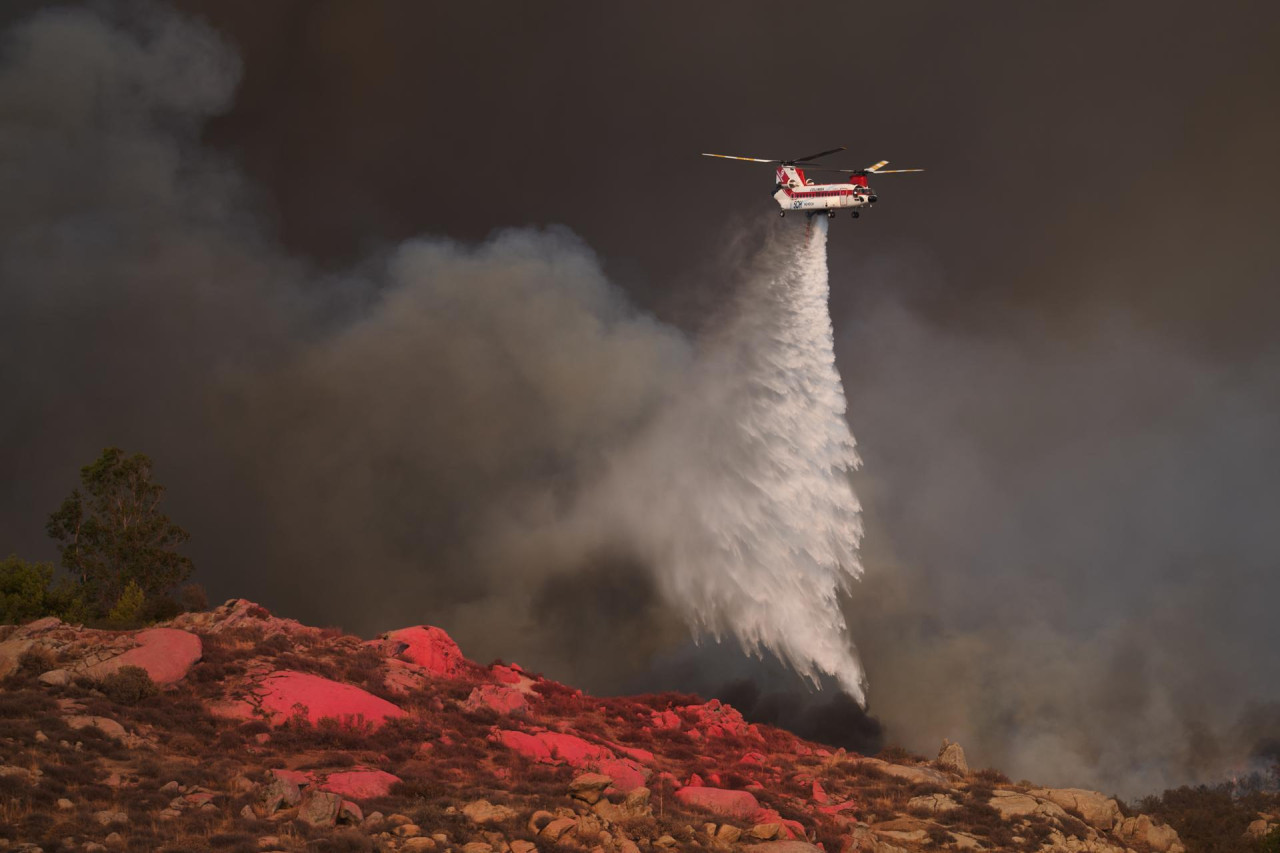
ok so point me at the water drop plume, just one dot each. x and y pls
(738, 494)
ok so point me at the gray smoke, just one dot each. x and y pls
(1071, 565)
(1070, 540)
(342, 443)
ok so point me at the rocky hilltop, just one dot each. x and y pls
(237, 730)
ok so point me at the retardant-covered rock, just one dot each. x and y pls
(283, 693)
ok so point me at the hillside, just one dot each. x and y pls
(237, 730)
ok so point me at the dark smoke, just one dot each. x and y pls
(369, 445)
(1069, 508)
(833, 718)
(1066, 546)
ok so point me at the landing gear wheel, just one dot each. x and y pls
(782, 213)
(831, 214)
(855, 214)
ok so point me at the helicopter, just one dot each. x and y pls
(793, 191)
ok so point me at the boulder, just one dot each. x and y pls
(281, 693)
(722, 801)
(428, 647)
(1097, 810)
(55, 678)
(573, 749)
(320, 808)
(919, 775)
(11, 651)
(933, 804)
(281, 793)
(634, 805)
(1011, 804)
(106, 725)
(349, 812)
(420, 844)
(483, 811)
(558, 828)
(951, 757)
(360, 784)
(1157, 836)
(727, 834)
(498, 698)
(528, 745)
(589, 787)
(167, 654)
(627, 774)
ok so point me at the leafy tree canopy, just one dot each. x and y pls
(112, 534)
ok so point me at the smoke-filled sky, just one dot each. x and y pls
(379, 285)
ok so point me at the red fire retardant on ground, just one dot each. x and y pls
(549, 747)
(527, 745)
(165, 653)
(280, 693)
(736, 804)
(432, 648)
(360, 784)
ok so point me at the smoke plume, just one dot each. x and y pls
(466, 435)
(1070, 550)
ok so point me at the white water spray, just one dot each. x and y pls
(739, 494)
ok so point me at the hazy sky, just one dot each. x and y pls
(1057, 343)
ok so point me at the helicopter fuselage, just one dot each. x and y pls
(794, 192)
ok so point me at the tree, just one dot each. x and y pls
(111, 532)
(26, 594)
(23, 590)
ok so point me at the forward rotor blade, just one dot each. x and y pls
(748, 159)
(821, 154)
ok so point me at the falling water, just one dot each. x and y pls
(740, 493)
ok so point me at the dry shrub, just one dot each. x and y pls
(128, 685)
(24, 703)
(269, 647)
(898, 755)
(670, 699)
(991, 776)
(34, 662)
(223, 840)
(974, 817)
(329, 760)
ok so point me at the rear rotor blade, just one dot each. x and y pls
(748, 159)
(821, 154)
(877, 166)
(896, 171)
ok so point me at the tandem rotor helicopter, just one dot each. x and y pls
(794, 191)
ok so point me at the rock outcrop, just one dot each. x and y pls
(1099, 811)
(285, 694)
(951, 757)
(262, 719)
